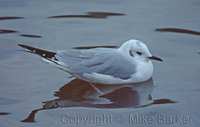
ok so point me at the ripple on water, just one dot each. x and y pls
(97, 15)
(178, 30)
(10, 17)
(7, 31)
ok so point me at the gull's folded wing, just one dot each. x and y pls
(103, 61)
(100, 60)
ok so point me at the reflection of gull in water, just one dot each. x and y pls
(79, 93)
(130, 63)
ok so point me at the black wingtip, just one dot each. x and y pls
(26, 47)
(38, 51)
(21, 45)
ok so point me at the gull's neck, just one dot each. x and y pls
(125, 48)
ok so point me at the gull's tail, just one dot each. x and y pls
(41, 52)
(47, 56)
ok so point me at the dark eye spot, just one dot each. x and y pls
(139, 53)
(131, 53)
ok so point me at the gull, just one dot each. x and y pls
(129, 63)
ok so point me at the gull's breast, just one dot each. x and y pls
(144, 71)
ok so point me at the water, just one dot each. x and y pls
(26, 81)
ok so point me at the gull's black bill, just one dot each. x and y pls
(155, 58)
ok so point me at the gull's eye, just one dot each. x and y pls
(139, 53)
(131, 53)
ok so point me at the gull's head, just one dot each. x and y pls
(138, 50)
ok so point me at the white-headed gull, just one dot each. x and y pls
(130, 63)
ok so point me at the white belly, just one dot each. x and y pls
(144, 72)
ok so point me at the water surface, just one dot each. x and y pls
(26, 81)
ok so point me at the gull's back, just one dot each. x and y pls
(105, 61)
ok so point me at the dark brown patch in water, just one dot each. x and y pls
(163, 101)
(31, 117)
(82, 94)
(4, 113)
(31, 35)
(10, 17)
(91, 47)
(122, 97)
(90, 15)
(7, 31)
(178, 30)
